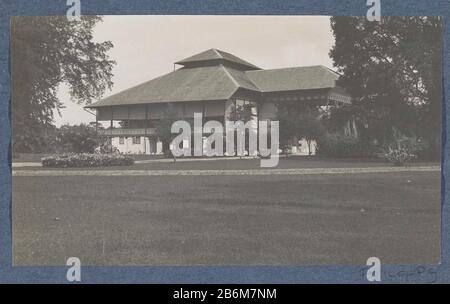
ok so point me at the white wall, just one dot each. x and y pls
(129, 148)
(302, 147)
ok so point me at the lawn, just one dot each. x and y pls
(36, 157)
(28, 157)
(243, 164)
(227, 220)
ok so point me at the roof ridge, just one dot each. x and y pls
(243, 72)
(329, 69)
(217, 53)
(230, 76)
(292, 67)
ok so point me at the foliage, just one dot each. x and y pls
(336, 118)
(106, 147)
(48, 52)
(399, 156)
(80, 138)
(163, 128)
(343, 146)
(240, 113)
(393, 69)
(414, 145)
(44, 142)
(300, 123)
(86, 160)
(426, 152)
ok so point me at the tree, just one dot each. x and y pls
(299, 122)
(46, 52)
(310, 128)
(80, 138)
(393, 70)
(241, 113)
(163, 128)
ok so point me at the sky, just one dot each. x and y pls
(146, 47)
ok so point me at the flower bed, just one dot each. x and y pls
(399, 156)
(86, 160)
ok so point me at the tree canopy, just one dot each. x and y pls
(393, 70)
(163, 127)
(46, 52)
(298, 121)
(80, 138)
(240, 113)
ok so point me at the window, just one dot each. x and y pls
(240, 103)
(136, 140)
(121, 140)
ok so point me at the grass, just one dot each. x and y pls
(36, 157)
(236, 164)
(227, 220)
(28, 157)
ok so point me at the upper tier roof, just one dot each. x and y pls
(214, 55)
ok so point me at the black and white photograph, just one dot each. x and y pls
(200, 140)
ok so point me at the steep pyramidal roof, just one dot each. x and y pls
(217, 55)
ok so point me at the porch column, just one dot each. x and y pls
(112, 125)
(257, 127)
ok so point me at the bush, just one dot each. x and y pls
(77, 138)
(86, 160)
(421, 148)
(399, 156)
(106, 148)
(343, 146)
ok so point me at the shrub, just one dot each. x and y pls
(106, 148)
(77, 138)
(86, 160)
(343, 146)
(399, 156)
(421, 148)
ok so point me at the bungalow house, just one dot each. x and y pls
(211, 83)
